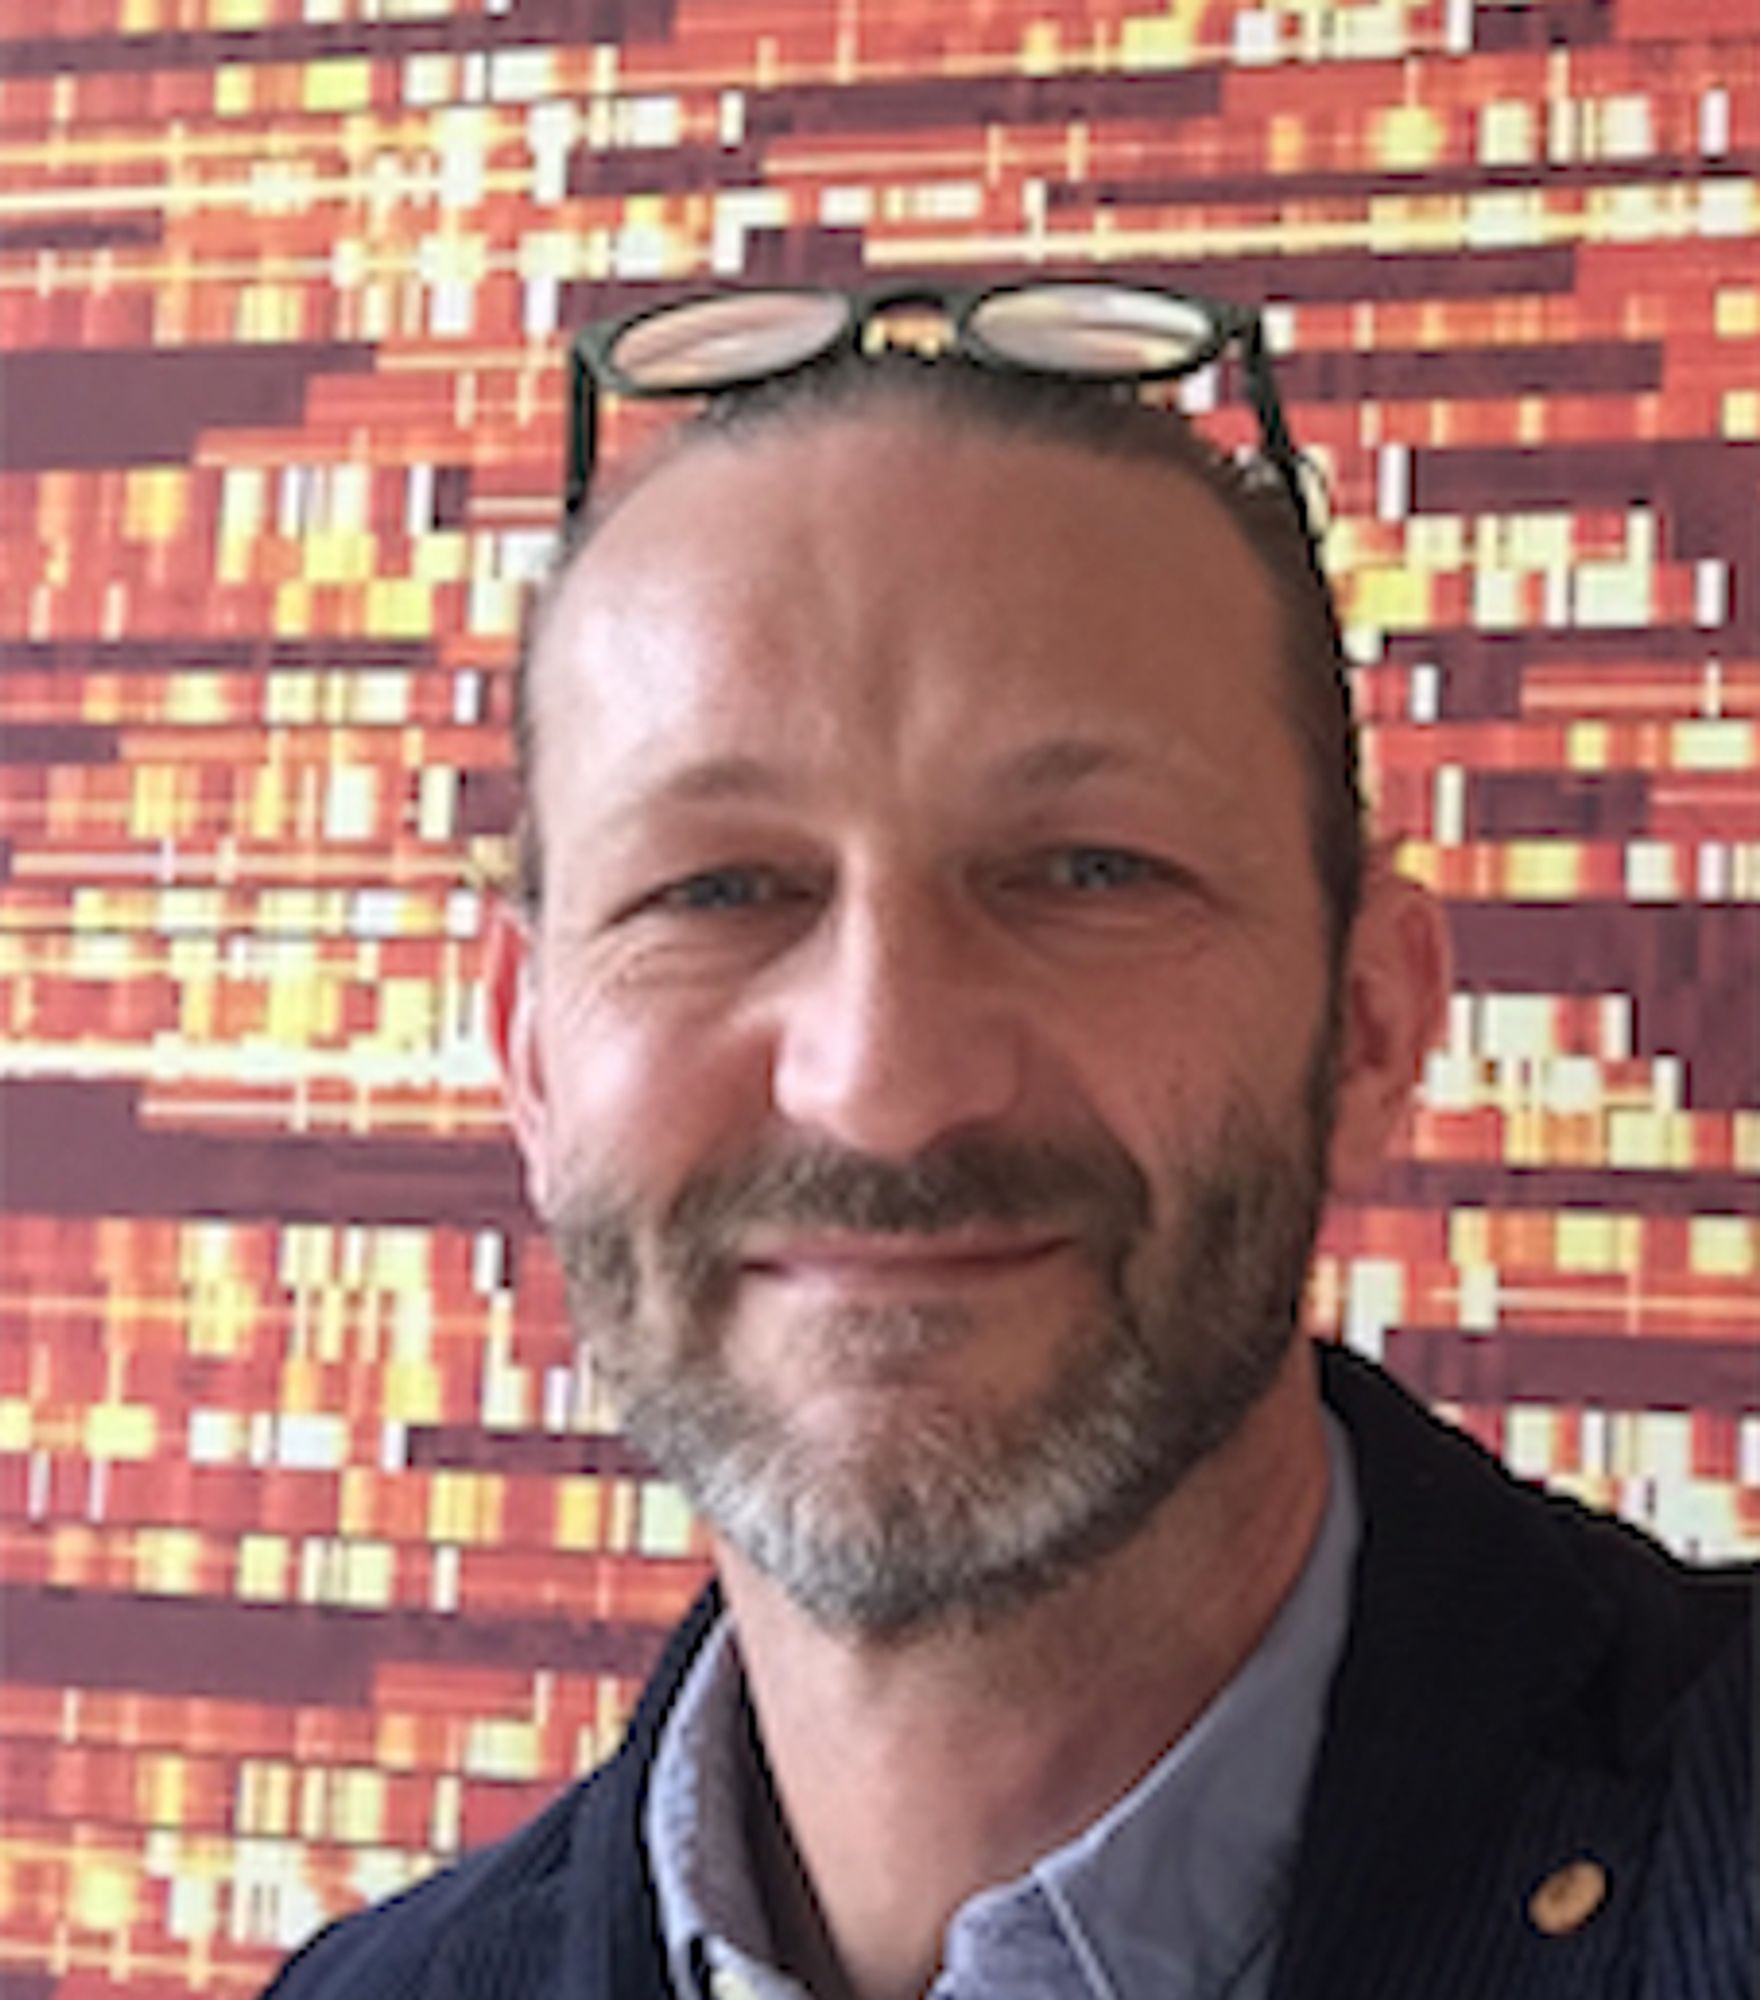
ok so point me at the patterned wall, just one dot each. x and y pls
(316, 1560)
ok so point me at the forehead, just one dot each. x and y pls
(879, 564)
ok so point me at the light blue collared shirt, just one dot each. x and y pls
(1176, 1893)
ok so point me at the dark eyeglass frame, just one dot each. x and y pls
(593, 367)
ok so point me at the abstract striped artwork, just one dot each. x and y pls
(319, 1558)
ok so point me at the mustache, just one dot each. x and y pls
(1093, 1191)
(969, 1178)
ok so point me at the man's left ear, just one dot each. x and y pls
(1396, 979)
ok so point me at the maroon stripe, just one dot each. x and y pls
(1584, 368)
(58, 743)
(1543, 24)
(16, 1983)
(1368, 184)
(79, 1148)
(452, 495)
(1366, 274)
(1609, 1371)
(524, 1453)
(645, 171)
(1441, 1185)
(69, 234)
(961, 103)
(487, 802)
(282, 1653)
(1589, 805)
(1601, 947)
(133, 406)
(200, 652)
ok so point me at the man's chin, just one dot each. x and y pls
(885, 1512)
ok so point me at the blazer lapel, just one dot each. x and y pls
(1466, 1761)
(613, 1948)
(581, 1922)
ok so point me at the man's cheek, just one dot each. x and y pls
(608, 1080)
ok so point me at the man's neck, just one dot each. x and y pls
(908, 1777)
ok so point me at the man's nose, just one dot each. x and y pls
(894, 1029)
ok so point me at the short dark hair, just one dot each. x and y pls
(1109, 420)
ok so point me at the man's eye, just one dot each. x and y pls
(1087, 869)
(714, 890)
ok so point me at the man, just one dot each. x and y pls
(947, 981)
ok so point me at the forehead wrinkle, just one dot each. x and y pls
(1063, 763)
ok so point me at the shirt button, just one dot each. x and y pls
(1568, 1898)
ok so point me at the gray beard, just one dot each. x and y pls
(966, 1514)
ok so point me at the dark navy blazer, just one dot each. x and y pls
(1525, 1685)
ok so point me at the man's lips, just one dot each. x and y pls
(894, 1260)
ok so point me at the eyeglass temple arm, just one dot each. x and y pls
(1280, 447)
(583, 433)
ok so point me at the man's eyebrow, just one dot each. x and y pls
(1063, 761)
(712, 779)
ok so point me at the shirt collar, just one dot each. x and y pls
(1176, 1890)
(694, 1823)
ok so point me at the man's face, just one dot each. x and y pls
(921, 1056)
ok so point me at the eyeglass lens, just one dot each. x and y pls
(1093, 329)
(712, 343)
